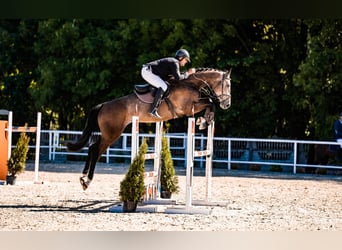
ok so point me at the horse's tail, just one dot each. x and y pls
(90, 127)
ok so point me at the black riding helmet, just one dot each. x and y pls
(182, 53)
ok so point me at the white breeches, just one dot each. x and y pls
(153, 79)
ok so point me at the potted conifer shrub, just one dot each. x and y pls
(168, 178)
(17, 161)
(132, 186)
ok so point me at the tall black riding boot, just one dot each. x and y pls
(156, 103)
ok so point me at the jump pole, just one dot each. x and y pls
(36, 130)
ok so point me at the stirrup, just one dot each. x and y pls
(155, 114)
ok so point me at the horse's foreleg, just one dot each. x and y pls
(209, 114)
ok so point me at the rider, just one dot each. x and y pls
(158, 71)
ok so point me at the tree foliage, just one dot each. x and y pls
(132, 186)
(320, 76)
(285, 79)
(16, 163)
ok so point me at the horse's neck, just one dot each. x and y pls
(198, 79)
(185, 84)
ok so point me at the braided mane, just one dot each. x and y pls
(206, 69)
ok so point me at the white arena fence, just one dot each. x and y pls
(228, 152)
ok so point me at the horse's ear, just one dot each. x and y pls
(229, 71)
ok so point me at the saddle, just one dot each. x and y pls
(145, 88)
(146, 92)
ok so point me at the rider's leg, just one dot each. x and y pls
(157, 82)
(157, 100)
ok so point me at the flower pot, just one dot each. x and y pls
(129, 206)
(165, 194)
(10, 179)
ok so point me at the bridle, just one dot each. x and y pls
(207, 90)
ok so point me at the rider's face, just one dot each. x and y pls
(183, 61)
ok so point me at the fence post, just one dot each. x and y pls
(36, 162)
(229, 153)
(295, 157)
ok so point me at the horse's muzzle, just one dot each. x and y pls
(225, 104)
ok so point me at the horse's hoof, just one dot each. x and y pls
(84, 183)
(202, 126)
(201, 122)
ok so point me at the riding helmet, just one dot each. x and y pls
(182, 53)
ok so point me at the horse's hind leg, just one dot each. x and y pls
(89, 167)
(86, 166)
(95, 152)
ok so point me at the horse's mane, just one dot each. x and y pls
(188, 81)
(206, 69)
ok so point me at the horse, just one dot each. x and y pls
(200, 91)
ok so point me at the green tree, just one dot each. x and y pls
(132, 186)
(17, 68)
(320, 77)
(264, 56)
(76, 67)
(17, 161)
(168, 178)
(64, 67)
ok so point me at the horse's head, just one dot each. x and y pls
(216, 84)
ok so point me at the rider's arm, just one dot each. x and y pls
(180, 76)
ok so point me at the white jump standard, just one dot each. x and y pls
(191, 154)
(151, 178)
(36, 130)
